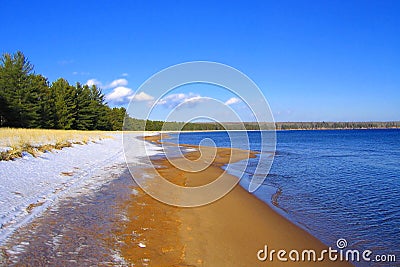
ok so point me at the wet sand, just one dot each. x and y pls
(227, 232)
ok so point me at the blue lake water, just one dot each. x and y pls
(333, 183)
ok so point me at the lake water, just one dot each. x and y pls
(333, 183)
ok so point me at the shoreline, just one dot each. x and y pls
(277, 130)
(227, 232)
(339, 129)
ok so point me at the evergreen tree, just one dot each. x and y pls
(64, 104)
(99, 109)
(84, 116)
(36, 101)
(16, 109)
(116, 117)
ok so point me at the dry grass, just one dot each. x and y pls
(34, 141)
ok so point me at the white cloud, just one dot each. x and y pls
(142, 96)
(232, 100)
(174, 100)
(91, 82)
(114, 84)
(124, 74)
(117, 83)
(123, 94)
(120, 94)
(192, 101)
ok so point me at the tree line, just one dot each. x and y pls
(29, 100)
(132, 124)
(336, 125)
(150, 125)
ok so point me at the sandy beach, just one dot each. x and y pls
(227, 232)
(80, 206)
(102, 217)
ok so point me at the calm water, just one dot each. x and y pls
(335, 184)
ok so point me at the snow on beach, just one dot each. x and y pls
(29, 185)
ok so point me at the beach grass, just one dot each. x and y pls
(13, 141)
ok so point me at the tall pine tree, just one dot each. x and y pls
(100, 109)
(15, 86)
(84, 117)
(65, 106)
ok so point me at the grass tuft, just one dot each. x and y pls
(13, 142)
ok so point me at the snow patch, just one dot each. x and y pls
(29, 185)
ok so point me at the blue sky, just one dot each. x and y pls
(313, 60)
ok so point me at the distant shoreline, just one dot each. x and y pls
(332, 129)
(278, 130)
(132, 124)
(336, 125)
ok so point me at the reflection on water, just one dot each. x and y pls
(78, 230)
